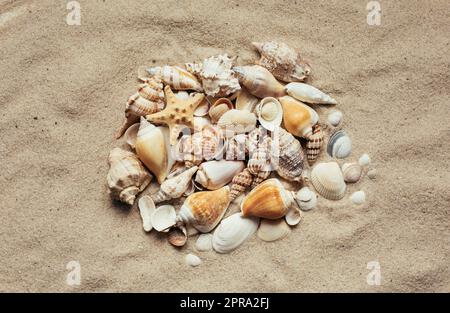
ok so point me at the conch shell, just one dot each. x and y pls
(259, 161)
(176, 77)
(283, 62)
(259, 81)
(298, 118)
(205, 209)
(216, 174)
(126, 177)
(308, 93)
(240, 183)
(268, 200)
(237, 122)
(290, 158)
(174, 187)
(314, 144)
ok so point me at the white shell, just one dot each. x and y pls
(246, 101)
(163, 218)
(306, 199)
(233, 231)
(328, 180)
(271, 230)
(182, 95)
(293, 216)
(352, 172)
(358, 197)
(202, 109)
(308, 93)
(270, 113)
(175, 185)
(192, 260)
(364, 160)
(146, 209)
(204, 242)
(372, 173)
(237, 122)
(131, 134)
(335, 118)
(216, 174)
(340, 145)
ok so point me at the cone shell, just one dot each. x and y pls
(298, 118)
(219, 108)
(205, 209)
(240, 183)
(328, 180)
(352, 172)
(245, 101)
(237, 122)
(176, 77)
(308, 93)
(314, 144)
(340, 145)
(272, 230)
(175, 186)
(291, 157)
(268, 200)
(259, 81)
(216, 174)
(270, 113)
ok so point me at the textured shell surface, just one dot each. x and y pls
(233, 231)
(216, 174)
(340, 145)
(270, 113)
(259, 178)
(284, 62)
(237, 122)
(203, 108)
(192, 260)
(205, 209)
(291, 157)
(308, 93)
(176, 77)
(293, 216)
(306, 199)
(146, 209)
(126, 176)
(259, 160)
(177, 236)
(272, 230)
(219, 107)
(246, 101)
(175, 186)
(352, 172)
(328, 180)
(163, 218)
(314, 144)
(204, 242)
(240, 183)
(131, 134)
(358, 197)
(298, 118)
(335, 118)
(259, 81)
(236, 147)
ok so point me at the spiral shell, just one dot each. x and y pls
(308, 93)
(291, 157)
(176, 77)
(259, 81)
(314, 144)
(240, 183)
(298, 118)
(175, 186)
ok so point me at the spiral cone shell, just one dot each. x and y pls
(314, 144)
(240, 183)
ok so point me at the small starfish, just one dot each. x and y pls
(176, 113)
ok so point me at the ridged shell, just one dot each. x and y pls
(237, 122)
(352, 172)
(240, 183)
(283, 62)
(219, 108)
(245, 101)
(291, 157)
(272, 230)
(293, 216)
(314, 144)
(233, 231)
(308, 93)
(340, 145)
(335, 118)
(163, 218)
(270, 113)
(177, 236)
(306, 199)
(175, 186)
(216, 174)
(204, 242)
(328, 180)
(259, 178)
(205, 209)
(236, 147)
(298, 118)
(176, 77)
(259, 81)
(126, 177)
(146, 209)
(268, 200)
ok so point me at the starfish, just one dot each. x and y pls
(176, 113)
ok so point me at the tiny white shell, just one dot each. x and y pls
(364, 160)
(358, 197)
(335, 118)
(131, 134)
(306, 199)
(146, 209)
(328, 180)
(204, 242)
(163, 218)
(372, 173)
(192, 260)
(293, 216)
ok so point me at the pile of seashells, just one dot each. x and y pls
(250, 133)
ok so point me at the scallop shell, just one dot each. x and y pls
(340, 145)
(204, 242)
(308, 93)
(272, 230)
(163, 218)
(233, 231)
(335, 118)
(240, 183)
(177, 236)
(314, 144)
(216, 174)
(192, 260)
(298, 118)
(131, 134)
(127, 176)
(268, 200)
(328, 180)
(259, 81)
(352, 172)
(358, 197)
(146, 209)
(175, 186)
(176, 77)
(364, 160)
(245, 101)
(205, 209)
(237, 122)
(270, 113)
(290, 156)
(283, 62)
(293, 216)
(306, 199)
(219, 108)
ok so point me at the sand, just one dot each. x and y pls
(62, 95)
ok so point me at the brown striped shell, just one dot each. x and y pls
(314, 144)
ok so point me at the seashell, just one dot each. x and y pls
(308, 93)
(298, 118)
(245, 101)
(177, 236)
(205, 144)
(259, 160)
(175, 186)
(219, 108)
(176, 77)
(328, 180)
(339, 145)
(200, 122)
(314, 144)
(192, 260)
(237, 122)
(153, 149)
(146, 209)
(291, 157)
(335, 118)
(272, 230)
(216, 174)
(202, 109)
(191, 230)
(364, 160)
(164, 217)
(182, 95)
(127, 176)
(259, 81)
(259, 178)
(233, 231)
(352, 172)
(217, 78)
(306, 199)
(240, 183)
(152, 89)
(268, 200)
(236, 148)
(372, 174)
(358, 197)
(293, 216)
(270, 113)
(283, 62)
(205, 209)
(131, 134)
(204, 242)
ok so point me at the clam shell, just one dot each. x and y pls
(293, 216)
(270, 113)
(204, 242)
(177, 236)
(131, 134)
(358, 197)
(246, 101)
(298, 118)
(146, 209)
(335, 118)
(192, 260)
(272, 230)
(340, 145)
(219, 108)
(364, 160)
(306, 199)
(308, 93)
(328, 180)
(163, 218)
(215, 174)
(237, 122)
(352, 172)
(233, 231)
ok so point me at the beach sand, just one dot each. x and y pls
(62, 95)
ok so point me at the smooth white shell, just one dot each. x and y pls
(146, 209)
(293, 216)
(131, 134)
(340, 145)
(272, 104)
(358, 197)
(308, 93)
(335, 118)
(328, 180)
(216, 174)
(271, 230)
(204, 242)
(364, 160)
(163, 218)
(306, 199)
(192, 260)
